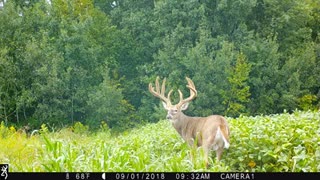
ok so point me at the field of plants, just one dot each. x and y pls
(275, 143)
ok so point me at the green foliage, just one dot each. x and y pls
(264, 80)
(104, 127)
(79, 128)
(307, 102)
(53, 66)
(275, 143)
(278, 143)
(3, 130)
(107, 104)
(239, 91)
(44, 129)
(54, 61)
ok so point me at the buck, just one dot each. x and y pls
(210, 133)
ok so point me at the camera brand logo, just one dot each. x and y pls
(4, 171)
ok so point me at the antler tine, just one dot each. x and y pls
(193, 93)
(157, 85)
(169, 95)
(151, 89)
(158, 93)
(181, 95)
(191, 86)
(163, 87)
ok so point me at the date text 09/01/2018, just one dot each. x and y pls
(162, 176)
(181, 176)
(140, 176)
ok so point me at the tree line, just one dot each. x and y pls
(90, 61)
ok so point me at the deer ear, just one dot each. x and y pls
(164, 105)
(184, 106)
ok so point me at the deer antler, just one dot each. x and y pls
(193, 93)
(161, 94)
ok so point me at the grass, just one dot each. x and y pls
(274, 143)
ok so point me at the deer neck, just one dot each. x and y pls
(181, 122)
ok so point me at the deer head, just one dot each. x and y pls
(174, 111)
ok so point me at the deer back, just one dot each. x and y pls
(211, 131)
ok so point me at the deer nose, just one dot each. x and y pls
(169, 116)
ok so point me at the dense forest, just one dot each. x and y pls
(90, 61)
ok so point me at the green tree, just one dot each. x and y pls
(106, 103)
(135, 43)
(238, 95)
(7, 86)
(210, 69)
(56, 53)
(264, 80)
(12, 68)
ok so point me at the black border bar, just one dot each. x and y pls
(156, 175)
